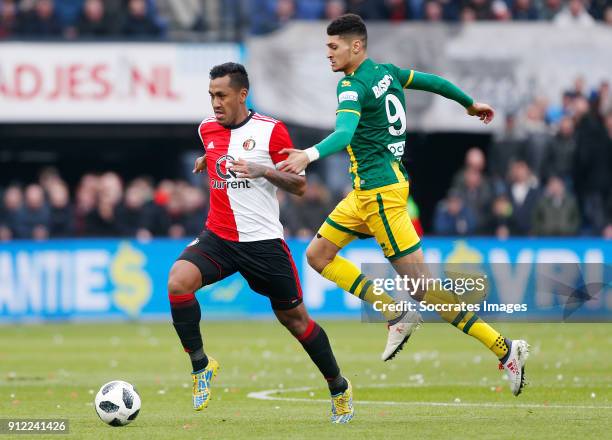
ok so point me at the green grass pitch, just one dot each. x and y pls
(443, 385)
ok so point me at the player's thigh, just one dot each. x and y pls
(208, 254)
(345, 223)
(388, 219)
(268, 267)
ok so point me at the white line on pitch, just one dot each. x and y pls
(266, 395)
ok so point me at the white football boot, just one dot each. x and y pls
(400, 332)
(515, 365)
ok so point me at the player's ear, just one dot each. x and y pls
(357, 46)
(243, 95)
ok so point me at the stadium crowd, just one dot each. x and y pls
(152, 19)
(269, 15)
(86, 19)
(548, 173)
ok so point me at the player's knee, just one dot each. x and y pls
(297, 325)
(178, 286)
(316, 259)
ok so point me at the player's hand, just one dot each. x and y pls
(247, 170)
(200, 165)
(484, 111)
(295, 163)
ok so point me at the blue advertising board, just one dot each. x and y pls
(126, 279)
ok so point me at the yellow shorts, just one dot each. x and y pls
(381, 213)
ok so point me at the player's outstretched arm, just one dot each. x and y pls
(428, 82)
(298, 160)
(290, 182)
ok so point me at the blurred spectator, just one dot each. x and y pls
(593, 162)
(500, 11)
(505, 148)
(450, 9)
(398, 10)
(538, 135)
(100, 221)
(554, 113)
(131, 214)
(432, 11)
(12, 216)
(368, 9)
(500, 220)
(556, 213)
(523, 194)
(524, 10)
(560, 151)
(607, 15)
(473, 187)
(468, 15)
(36, 215)
(310, 9)
(605, 98)
(8, 19)
(93, 21)
(138, 22)
(476, 194)
(574, 14)
(61, 216)
(607, 232)
(481, 8)
(550, 8)
(474, 159)
(453, 216)
(41, 21)
(334, 9)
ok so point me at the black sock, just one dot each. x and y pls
(186, 317)
(315, 342)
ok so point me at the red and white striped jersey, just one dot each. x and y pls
(243, 209)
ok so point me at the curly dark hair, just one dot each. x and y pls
(239, 78)
(349, 24)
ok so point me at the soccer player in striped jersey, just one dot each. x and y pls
(371, 125)
(243, 234)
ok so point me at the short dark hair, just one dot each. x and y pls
(349, 24)
(239, 78)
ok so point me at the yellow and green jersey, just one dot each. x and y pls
(374, 92)
(373, 95)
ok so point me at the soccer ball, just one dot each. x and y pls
(117, 403)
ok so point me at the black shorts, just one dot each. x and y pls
(267, 266)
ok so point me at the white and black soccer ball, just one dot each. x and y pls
(117, 403)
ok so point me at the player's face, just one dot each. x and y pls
(226, 100)
(338, 52)
(343, 52)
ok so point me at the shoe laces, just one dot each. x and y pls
(341, 403)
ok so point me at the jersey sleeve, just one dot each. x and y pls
(279, 139)
(351, 95)
(201, 134)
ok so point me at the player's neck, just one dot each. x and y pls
(241, 117)
(355, 65)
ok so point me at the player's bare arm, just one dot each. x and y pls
(287, 181)
(200, 165)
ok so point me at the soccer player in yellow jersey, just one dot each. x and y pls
(371, 125)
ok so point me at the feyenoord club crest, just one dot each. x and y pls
(249, 144)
